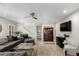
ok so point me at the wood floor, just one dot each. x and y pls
(49, 49)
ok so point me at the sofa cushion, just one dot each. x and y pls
(3, 40)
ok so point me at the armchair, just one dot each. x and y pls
(71, 47)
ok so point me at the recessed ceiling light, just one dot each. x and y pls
(65, 11)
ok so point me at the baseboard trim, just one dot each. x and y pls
(50, 42)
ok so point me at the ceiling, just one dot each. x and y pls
(45, 12)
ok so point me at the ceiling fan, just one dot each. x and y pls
(31, 15)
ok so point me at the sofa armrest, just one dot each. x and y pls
(9, 45)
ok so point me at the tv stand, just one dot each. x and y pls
(59, 41)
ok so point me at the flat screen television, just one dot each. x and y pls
(66, 26)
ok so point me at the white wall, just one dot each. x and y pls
(74, 34)
(5, 29)
(75, 25)
(29, 29)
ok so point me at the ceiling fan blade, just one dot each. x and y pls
(34, 17)
(32, 14)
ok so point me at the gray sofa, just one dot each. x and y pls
(6, 45)
(9, 45)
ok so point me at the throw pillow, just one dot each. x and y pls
(9, 38)
(14, 38)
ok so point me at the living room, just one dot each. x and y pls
(39, 29)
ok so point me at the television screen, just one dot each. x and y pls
(65, 26)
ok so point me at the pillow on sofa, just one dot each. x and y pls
(9, 38)
(14, 38)
(3, 40)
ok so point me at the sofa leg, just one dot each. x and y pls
(65, 53)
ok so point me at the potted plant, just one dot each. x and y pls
(65, 36)
(18, 33)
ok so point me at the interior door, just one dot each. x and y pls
(48, 34)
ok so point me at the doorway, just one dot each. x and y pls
(48, 34)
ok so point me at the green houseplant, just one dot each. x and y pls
(66, 35)
(18, 33)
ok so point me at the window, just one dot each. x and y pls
(11, 29)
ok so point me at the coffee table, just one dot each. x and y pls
(27, 47)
